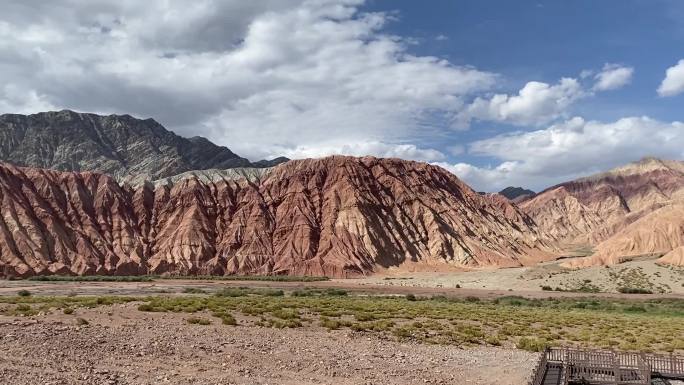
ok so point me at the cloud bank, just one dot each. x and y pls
(265, 78)
(568, 150)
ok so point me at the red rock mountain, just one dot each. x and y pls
(337, 216)
(634, 210)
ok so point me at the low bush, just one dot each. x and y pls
(228, 319)
(198, 321)
(82, 322)
(335, 292)
(634, 290)
(193, 290)
(532, 344)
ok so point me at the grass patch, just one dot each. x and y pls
(193, 290)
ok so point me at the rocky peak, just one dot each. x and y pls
(517, 194)
(119, 145)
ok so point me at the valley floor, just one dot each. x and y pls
(639, 274)
(121, 345)
(221, 332)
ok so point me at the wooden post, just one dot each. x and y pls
(616, 369)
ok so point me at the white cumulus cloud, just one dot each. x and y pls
(673, 84)
(536, 103)
(612, 77)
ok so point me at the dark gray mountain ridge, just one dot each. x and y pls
(119, 145)
(516, 192)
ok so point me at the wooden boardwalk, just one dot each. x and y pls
(566, 366)
(553, 374)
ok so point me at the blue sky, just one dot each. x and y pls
(528, 93)
(546, 40)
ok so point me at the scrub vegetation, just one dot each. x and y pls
(532, 324)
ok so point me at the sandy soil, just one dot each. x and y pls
(660, 279)
(124, 346)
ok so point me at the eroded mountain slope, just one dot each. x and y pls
(336, 216)
(629, 211)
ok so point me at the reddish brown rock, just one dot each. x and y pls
(337, 216)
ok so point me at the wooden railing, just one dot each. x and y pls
(606, 367)
(539, 371)
(666, 366)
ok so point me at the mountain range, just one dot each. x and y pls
(90, 194)
(630, 211)
(336, 216)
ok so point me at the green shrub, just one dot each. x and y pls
(546, 288)
(24, 293)
(285, 314)
(198, 321)
(68, 310)
(303, 293)
(228, 319)
(635, 309)
(410, 297)
(335, 292)
(634, 290)
(230, 292)
(272, 293)
(532, 344)
(81, 322)
(146, 307)
(193, 290)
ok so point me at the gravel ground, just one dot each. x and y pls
(121, 345)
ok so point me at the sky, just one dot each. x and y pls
(522, 93)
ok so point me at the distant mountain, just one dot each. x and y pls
(119, 145)
(517, 194)
(633, 210)
(336, 216)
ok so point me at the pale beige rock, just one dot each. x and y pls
(630, 211)
(674, 257)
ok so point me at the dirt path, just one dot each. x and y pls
(123, 346)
